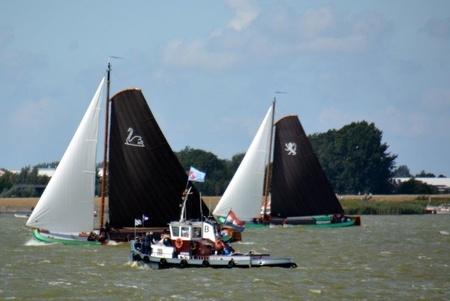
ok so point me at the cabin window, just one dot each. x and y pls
(185, 232)
(175, 231)
(197, 232)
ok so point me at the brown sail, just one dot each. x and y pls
(145, 176)
(299, 184)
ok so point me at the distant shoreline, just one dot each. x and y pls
(352, 204)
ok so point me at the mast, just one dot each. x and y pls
(266, 186)
(105, 147)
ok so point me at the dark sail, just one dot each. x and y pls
(299, 185)
(145, 176)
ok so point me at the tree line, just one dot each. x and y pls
(354, 158)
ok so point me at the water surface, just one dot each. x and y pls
(387, 258)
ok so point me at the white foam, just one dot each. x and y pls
(125, 285)
(113, 243)
(36, 243)
(315, 291)
(246, 242)
(444, 232)
(59, 283)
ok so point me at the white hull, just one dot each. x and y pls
(214, 261)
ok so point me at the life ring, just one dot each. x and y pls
(179, 243)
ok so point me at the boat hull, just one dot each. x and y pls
(67, 239)
(323, 221)
(212, 261)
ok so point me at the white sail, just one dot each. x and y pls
(244, 193)
(67, 204)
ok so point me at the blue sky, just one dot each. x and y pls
(209, 70)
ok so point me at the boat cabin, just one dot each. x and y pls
(190, 230)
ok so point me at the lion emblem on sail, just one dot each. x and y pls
(290, 148)
(134, 140)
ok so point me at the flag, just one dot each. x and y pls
(137, 222)
(233, 221)
(144, 218)
(196, 175)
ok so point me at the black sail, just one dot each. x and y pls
(299, 185)
(145, 176)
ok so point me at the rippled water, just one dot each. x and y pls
(387, 258)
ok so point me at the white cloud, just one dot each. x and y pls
(437, 98)
(316, 21)
(438, 28)
(278, 34)
(31, 115)
(333, 118)
(350, 43)
(245, 13)
(197, 54)
(404, 123)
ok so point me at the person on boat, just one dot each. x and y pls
(228, 250)
(92, 237)
(138, 244)
(165, 240)
(147, 245)
(337, 218)
(219, 246)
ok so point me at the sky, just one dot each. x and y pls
(210, 69)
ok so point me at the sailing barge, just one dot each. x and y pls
(300, 193)
(144, 177)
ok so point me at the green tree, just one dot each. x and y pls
(355, 159)
(215, 168)
(424, 174)
(413, 186)
(401, 172)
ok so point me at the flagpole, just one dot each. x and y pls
(201, 209)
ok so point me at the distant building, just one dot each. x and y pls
(41, 171)
(46, 172)
(442, 184)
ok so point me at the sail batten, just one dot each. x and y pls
(299, 184)
(67, 204)
(244, 193)
(145, 176)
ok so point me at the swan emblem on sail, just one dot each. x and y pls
(291, 148)
(134, 140)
